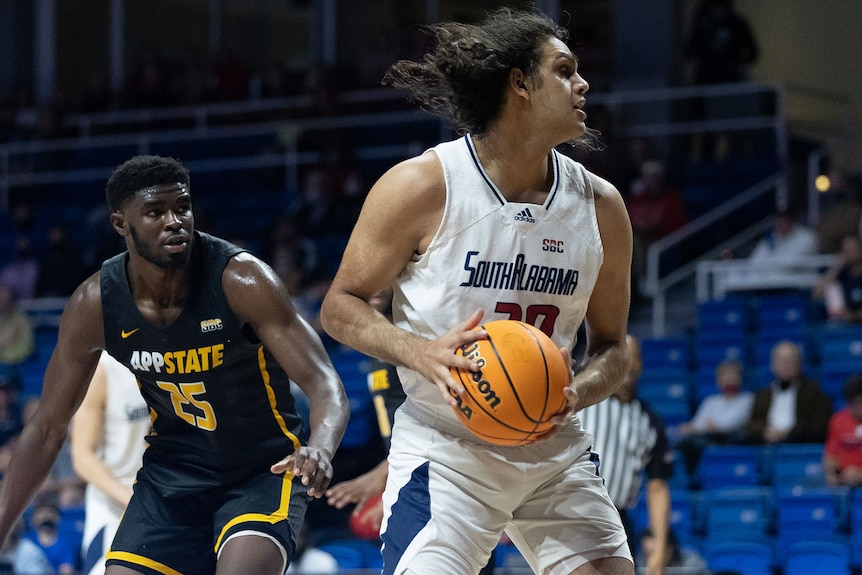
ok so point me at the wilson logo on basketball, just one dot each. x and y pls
(518, 387)
(483, 386)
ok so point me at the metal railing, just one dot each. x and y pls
(658, 284)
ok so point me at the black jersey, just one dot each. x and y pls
(221, 405)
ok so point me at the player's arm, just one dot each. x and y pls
(398, 220)
(259, 299)
(80, 339)
(607, 315)
(85, 440)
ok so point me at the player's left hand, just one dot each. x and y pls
(563, 419)
(312, 465)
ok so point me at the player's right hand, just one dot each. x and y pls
(436, 358)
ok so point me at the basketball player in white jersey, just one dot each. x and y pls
(494, 225)
(107, 440)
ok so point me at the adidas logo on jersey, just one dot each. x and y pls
(525, 216)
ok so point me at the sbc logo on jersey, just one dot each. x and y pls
(553, 246)
(208, 325)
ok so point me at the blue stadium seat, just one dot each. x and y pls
(810, 557)
(796, 464)
(722, 319)
(353, 367)
(807, 513)
(666, 352)
(730, 465)
(740, 556)
(673, 412)
(673, 389)
(739, 513)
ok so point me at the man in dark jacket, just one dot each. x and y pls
(793, 408)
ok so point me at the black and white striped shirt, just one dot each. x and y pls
(630, 440)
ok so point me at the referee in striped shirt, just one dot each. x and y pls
(631, 442)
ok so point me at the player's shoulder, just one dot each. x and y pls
(82, 319)
(602, 188)
(416, 176)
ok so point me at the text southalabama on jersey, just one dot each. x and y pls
(518, 275)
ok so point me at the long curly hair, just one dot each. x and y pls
(463, 77)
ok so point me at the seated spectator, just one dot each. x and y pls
(773, 264)
(656, 208)
(16, 331)
(22, 272)
(293, 257)
(720, 418)
(61, 266)
(676, 555)
(44, 549)
(841, 285)
(792, 408)
(842, 454)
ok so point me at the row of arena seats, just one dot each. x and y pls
(758, 529)
(679, 370)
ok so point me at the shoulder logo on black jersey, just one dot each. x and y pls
(525, 216)
(211, 325)
(124, 334)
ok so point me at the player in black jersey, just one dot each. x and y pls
(211, 335)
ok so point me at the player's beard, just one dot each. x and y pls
(160, 259)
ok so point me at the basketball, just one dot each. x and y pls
(518, 388)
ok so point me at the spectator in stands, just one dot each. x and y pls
(792, 408)
(841, 285)
(773, 264)
(630, 439)
(682, 557)
(293, 256)
(720, 45)
(842, 454)
(719, 49)
(61, 267)
(656, 208)
(16, 331)
(720, 418)
(840, 211)
(22, 272)
(45, 549)
(330, 199)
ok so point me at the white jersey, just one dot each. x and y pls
(126, 423)
(528, 262)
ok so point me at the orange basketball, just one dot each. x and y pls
(518, 388)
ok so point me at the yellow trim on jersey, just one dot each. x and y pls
(280, 514)
(143, 561)
(382, 416)
(261, 360)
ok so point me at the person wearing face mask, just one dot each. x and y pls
(44, 549)
(792, 408)
(720, 417)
